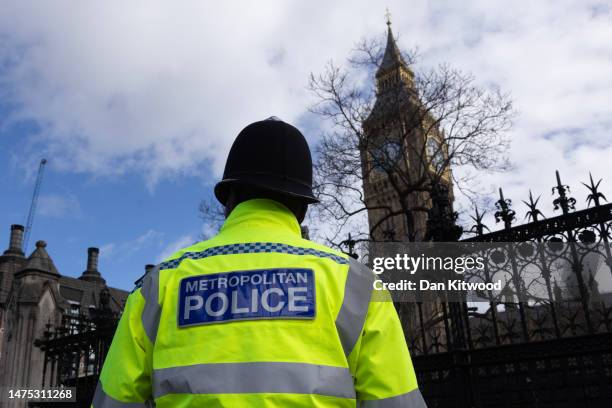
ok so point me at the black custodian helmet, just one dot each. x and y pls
(271, 155)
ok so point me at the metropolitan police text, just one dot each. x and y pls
(294, 282)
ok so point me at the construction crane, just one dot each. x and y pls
(28, 228)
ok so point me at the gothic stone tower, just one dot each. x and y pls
(403, 156)
(406, 179)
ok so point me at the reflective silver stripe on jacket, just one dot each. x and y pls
(412, 399)
(151, 312)
(254, 377)
(357, 293)
(102, 400)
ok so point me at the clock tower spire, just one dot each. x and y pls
(393, 70)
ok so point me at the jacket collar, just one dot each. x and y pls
(264, 214)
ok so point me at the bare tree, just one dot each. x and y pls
(212, 214)
(402, 130)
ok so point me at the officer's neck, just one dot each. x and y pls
(262, 212)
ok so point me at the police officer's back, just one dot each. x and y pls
(258, 316)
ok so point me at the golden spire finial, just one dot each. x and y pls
(388, 16)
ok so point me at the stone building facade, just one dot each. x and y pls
(33, 294)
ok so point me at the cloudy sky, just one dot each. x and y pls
(135, 105)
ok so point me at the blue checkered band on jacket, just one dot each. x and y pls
(251, 248)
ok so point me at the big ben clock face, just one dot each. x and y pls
(386, 155)
(435, 154)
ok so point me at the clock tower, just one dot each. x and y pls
(406, 176)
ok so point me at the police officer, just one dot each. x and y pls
(258, 316)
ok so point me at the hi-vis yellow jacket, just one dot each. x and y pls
(258, 317)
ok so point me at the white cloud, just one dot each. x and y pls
(148, 240)
(157, 87)
(162, 88)
(107, 250)
(554, 59)
(125, 249)
(180, 243)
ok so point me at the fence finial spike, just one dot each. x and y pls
(479, 227)
(504, 212)
(564, 202)
(533, 212)
(595, 195)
